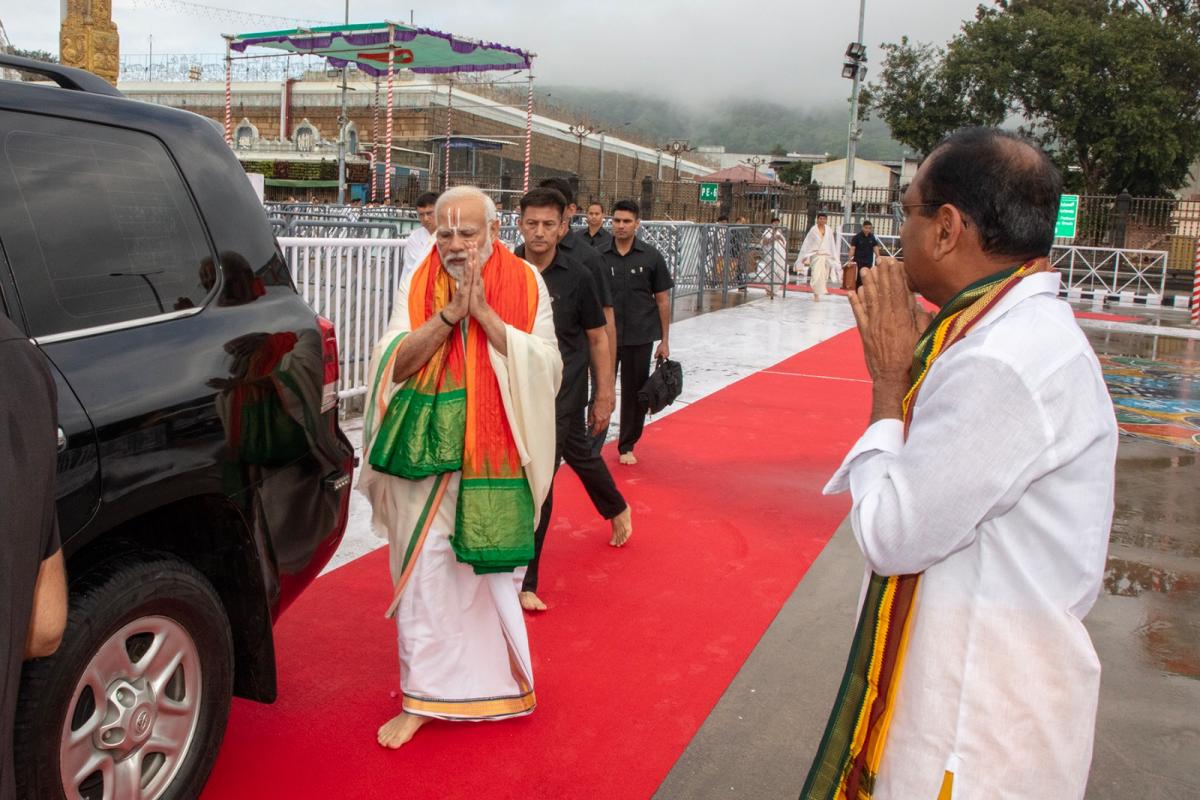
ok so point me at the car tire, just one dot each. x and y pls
(140, 688)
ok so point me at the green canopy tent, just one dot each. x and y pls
(378, 49)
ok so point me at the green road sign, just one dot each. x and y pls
(1068, 213)
(708, 193)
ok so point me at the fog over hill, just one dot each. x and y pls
(742, 125)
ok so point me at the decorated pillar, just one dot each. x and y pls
(88, 39)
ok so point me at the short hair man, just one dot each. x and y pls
(579, 324)
(33, 586)
(773, 266)
(420, 240)
(819, 253)
(864, 249)
(641, 300)
(982, 499)
(468, 367)
(596, 235)
(574, 245)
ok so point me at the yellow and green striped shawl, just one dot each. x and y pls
(851, 750)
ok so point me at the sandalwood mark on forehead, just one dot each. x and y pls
(451, 224)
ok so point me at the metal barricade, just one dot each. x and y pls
(1113, 273)
(340, 229)
(353, 284)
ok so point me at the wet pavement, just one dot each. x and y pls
(1146, 623)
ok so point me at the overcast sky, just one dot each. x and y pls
(699, 50)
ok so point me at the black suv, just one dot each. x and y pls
(203, 480)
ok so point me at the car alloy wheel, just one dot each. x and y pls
(134, 713)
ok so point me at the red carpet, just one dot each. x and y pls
(1106, 317)
(639, 643)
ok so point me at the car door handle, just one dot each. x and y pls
(62, 440)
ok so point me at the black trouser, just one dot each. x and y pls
(859, 276)
(571, 444)
(633, 362)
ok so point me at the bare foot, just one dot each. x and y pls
(622, 528)
(627, 458)
(399, 729)
(531, 602)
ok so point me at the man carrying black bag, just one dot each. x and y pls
(641, 284)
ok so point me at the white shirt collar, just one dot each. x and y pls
(1038, 283)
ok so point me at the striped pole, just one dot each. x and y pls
(528, 128)
(375, 146)
(228, 92)
(387, 157)
(449, 107)
(1196, 288)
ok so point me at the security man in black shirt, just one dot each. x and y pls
(575, 245)
(641, 282)
(579, 325)
(33, 584)
(864, 249)
(595, 235)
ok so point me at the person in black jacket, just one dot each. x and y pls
(33, 585)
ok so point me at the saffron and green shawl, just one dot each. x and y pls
(449, 416)
(851, 750)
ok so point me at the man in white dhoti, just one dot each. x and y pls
(773, 265)
(820, 253)
(459, 444)
(983, 497)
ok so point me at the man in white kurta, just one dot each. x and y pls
(999, 494)
(773, 265)
(420, 239)
(820, 253)
(464, 654)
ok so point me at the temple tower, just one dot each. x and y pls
(88, 37)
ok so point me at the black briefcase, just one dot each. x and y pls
(662, 387)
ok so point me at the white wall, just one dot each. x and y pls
(866, 173)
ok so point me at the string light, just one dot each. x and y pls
(223, 14)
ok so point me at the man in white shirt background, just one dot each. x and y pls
(982, 500)
(820, 253)
(420, 241)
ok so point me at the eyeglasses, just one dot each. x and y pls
(904, 208)
(904, 214)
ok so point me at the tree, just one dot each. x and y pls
(923, 95)
(1108, 87)
(796, 173)
(36, 55)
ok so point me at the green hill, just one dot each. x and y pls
(742, 126)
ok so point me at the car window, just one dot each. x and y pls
(97, 225)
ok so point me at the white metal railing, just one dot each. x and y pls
(352, 283)
(1111, 271)
(1114, 272)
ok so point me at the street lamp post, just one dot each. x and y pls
(755, 162)
(855, 68)
(580, 132)
(677, 148)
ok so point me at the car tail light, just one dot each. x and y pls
(329, 353)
